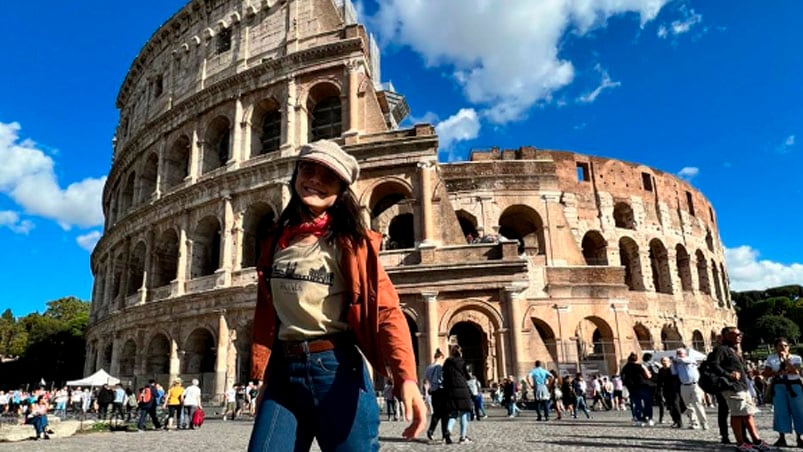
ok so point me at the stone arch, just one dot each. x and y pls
(630, 259)
(177, 162)
(481, 307)
(623, 216)
(266, 127)
(258, 221)
(475, 344)
(127, 195)
(697, 341)
(725, 286)
(709, 240)
(117, 275)
(200, 352)
(217, 144)
(468, 224)
(595, 248)
(595, 345)
(671, 338)
(643, 336)
(128, 356)
(524, 224)
(148, 177)
(325, 111)
(544, 344)
(165, 258)
(157, 355)
(659, 261)
(392, 214)
(717, 286)
(412, 325)
(206, 241)
(683, 264)
(106, 357)
(703, 285)
(136, 269)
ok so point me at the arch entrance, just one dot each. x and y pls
(596, 352)
(643, 336)
(671, 338)
(544, 346)
(697, 341)
(474, 343)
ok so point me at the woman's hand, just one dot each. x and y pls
(415, 410)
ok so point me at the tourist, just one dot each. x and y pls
(556, 393)
(458, 396)
(636, 379)
(191, 399)
(787, 401)
(231, 403)
(390, 401)
(148, 397)
(172, 402)
(322, 292)
(105, 398)
(618, 393)
(509, 396)
(579, 387)
(433, 382)
(669, 390)
(38, 417)
(77, 400)
(730, 368)
(476, 396)
(119, 401)
(692, 396)
(540, 379)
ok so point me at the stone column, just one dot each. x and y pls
(289, 116)
(87, 361)
(550, 199)
(146, 269)
(227, 243)
(114, 367)
(501, 352)
(646, 269)
(175, 362)
(221, 359)
(99, 349)
(425, 169)
(238, 131)
(619, 308)
(195, 156)
(184, 245)
(514, 298)
(353, 114)
(157, 192)
(430, 304)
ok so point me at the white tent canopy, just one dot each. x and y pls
(99, 378)
(690, 352)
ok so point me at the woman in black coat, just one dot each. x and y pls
(458, 396)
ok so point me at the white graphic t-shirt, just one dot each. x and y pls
(308, 291)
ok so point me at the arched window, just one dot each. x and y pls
(522, 223)
(659, 260)
(630, 260)
(258, 221)
(206, 247)
(165, 257)
(702, 273)
(468, 224)
(136, 269)
(717, 286)
(623, 216)
(683, 263)
(177, 162)
(709, 240)
(271, 137)
(217, 144)
(401, 233)
(148, 178)
(326, 119)
(595, 248)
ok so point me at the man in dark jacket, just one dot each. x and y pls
(729, 367)
(148, 407)
(105, 398)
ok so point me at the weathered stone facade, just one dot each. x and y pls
(570, 259)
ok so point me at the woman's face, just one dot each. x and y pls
(781, 346)
(317, 186)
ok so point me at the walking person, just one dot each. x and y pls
(509, 396)
(691, 394)
(147, 406)
(118, 402)
(476, 396)
(322, 292)
(730, 368)
(579, 387)
(636, 378)
(669, 388)
(556, 393)
(390, 401)
(172, 402)
(191, 401)
(540, 379)
(455, 383)
(433, 382)
(787, 401)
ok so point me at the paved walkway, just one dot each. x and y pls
(606, 431)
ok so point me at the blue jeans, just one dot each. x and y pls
(463, 416)
(787, 408)
(326, 396)
(479, 408)
(542, 405)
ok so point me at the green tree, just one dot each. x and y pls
(770, 327)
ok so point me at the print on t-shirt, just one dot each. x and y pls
(320, 276)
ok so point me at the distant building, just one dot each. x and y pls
(516, 254)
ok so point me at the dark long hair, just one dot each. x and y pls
(346, 214)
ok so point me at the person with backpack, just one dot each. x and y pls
(784, 369)
(147, 400)
(731, 372)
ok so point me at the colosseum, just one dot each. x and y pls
(517, 255)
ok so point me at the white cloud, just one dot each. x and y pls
(681, 26)
(747, 272)
(463, 125)
(506, 58)
(790, 140)
(688, 172)
(11, 220)
(88, 241)
(28, 178)
(605, 83)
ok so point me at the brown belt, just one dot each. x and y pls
(301, 348)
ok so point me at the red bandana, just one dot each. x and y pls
(317, 227)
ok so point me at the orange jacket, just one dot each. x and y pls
(374, 314)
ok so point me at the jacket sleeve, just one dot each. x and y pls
(265, 324)
(395, 342)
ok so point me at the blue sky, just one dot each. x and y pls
(710, 93)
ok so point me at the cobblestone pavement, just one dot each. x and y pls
(605, 431)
